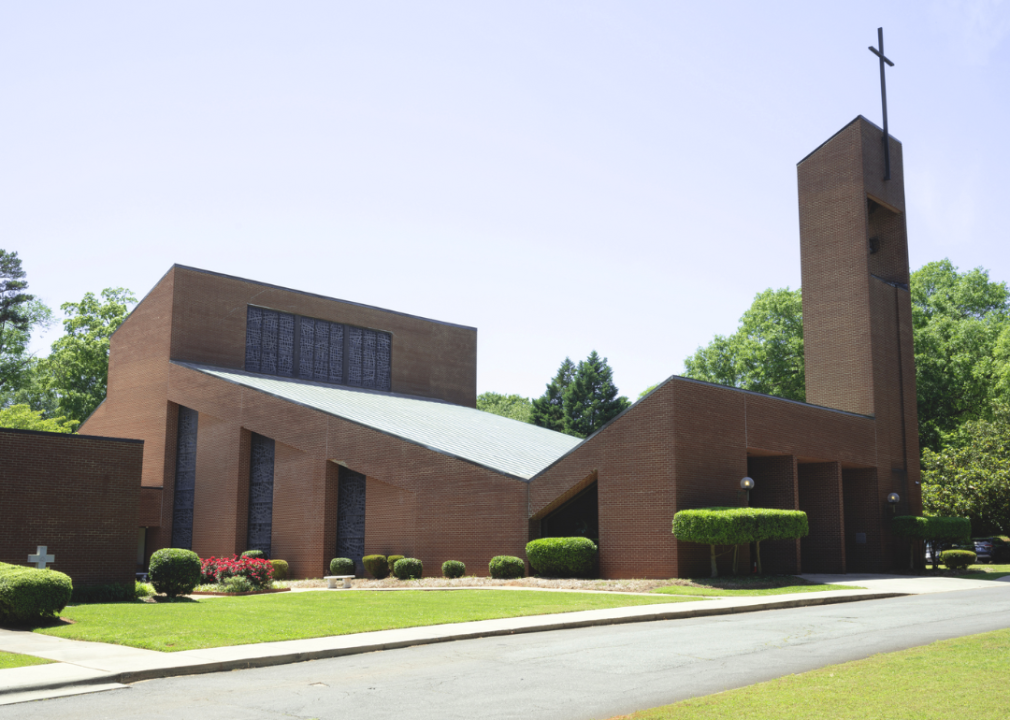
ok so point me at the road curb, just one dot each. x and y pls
(443, 633)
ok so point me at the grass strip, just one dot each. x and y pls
(14, 660)
(723, 592)
(221, 621)
(960, 678)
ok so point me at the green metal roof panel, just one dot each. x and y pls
(500, 444)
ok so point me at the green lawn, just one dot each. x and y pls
(13, 660)
(744, 585)
(219, 621)
(961, 678)
(987, 572)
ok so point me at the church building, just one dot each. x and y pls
(312, 428)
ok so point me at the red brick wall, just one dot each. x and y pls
(820, 491)
(78, 495)
(776, 485)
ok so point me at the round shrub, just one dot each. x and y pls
(506, 567)
(280, 569)
(562, 557)
(376, 566)
(175, 571)
(407, 569)
(957, 559)
(341, 566)
(392, 560)
(453, 569)
(254, 554)
(29, 594)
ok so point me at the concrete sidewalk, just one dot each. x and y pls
(84, 667)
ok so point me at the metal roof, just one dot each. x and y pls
(506, 446)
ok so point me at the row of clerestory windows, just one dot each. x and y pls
(293, 346)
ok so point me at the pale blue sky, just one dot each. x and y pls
(562, 175)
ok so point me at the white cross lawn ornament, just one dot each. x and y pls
(41, 558)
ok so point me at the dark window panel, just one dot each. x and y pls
(253, 339)
(185, 478)
(261, 494)
(368, 359)
(305, 344)
(354, 356)
(383, 361)
(321, 352)
(351, 517)
(286, 345)
(269, 357)
(336, 370)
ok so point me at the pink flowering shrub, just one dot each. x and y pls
(257, 570)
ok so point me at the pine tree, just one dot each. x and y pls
(590, 401)
(548, 409)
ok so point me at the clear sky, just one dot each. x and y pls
(564, 176)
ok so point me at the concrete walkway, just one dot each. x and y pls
(84, 667)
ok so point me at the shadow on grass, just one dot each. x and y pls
(35, 624)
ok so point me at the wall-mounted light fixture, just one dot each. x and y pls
(892, 500)
(747, 484)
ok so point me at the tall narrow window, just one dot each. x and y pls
(261, 494)
(351, 517)
(185, 479)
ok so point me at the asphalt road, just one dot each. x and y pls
(569, 674)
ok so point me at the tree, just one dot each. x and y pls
(647, 391)
(19, 313)
(939, 532)
(76, 371)
(548, 410)
(515, 407)
(590, 401)
(765, 354)
(970, 476)
(22, 417)
(962, 334)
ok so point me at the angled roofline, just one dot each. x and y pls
(699, 382)
(842, 129)
(49, 433)
(202, 370)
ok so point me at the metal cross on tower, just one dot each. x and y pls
(883, 99)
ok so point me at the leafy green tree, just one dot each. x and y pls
(22, 417)
(962, 346)
(765, 354)
(20, 312)
(515, 407)
(590, 401)
(647, 391)
(548, 410)
(76, 371)
(970, 476)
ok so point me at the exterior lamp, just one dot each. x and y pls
(892, 500)
(747, 484)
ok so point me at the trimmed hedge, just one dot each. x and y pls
(29, 594)
(407, 568)
(562, 556)
(957, 559)
(738, 526)
(453, 569)
(175, 571)
(280, 569)
(506, 567)
(254, 554)
(341, 566)
(376, 566)
(110, 593)
(392, 560)
(937, 531)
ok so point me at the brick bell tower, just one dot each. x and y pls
(857, 313)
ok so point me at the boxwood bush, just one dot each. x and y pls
(407, 569)
(376, 566)
(738, 526)
(175, 571)
(341, 566)
(392, 560)
(254, 554)
(29, 595)
(957, 559)
(280, 569)
(453, 569)
(506, 567)
(562, 556)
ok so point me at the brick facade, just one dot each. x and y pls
(686, 445)
(78, 495)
